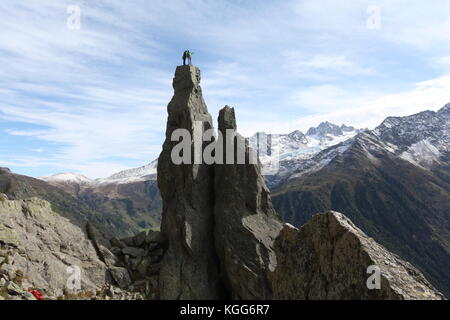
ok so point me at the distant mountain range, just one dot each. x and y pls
(295, 145)
(120, 206)
(145, 173)
(129, 199)
(295, 149)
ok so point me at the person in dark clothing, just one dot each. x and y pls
(185, 55)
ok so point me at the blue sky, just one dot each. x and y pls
(93, 100)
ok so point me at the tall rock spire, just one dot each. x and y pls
(189, 269)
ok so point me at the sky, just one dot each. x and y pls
(84, 85)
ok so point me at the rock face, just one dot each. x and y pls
(190, 266)
(41, 245)
(329, 257)
(137, 262)
(225, 241)
(41, 250)
(326, 128)
(245, 222)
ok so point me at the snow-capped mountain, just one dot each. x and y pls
(422, 139)
(296, 149)
(327, 128)
(297, 145)
(129, 199)
(144, 173)
(68, 178)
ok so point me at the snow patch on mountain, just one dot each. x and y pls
(145, 173)
(422, 154)
(422, 139)
(319, 143)
(296, 145)
(67, 178)
(322, 159)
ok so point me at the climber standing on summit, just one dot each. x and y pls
(184, 57)
(189, 56)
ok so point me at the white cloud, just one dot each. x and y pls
(322, 67)
(358, 108)
(327, 98)
(93, 93)
(441, 63)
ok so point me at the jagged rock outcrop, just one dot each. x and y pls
(41, 250)
(329, 257)
(189, 269)
(41, 245)
(20, 187)
(246, 224)
(136, 262)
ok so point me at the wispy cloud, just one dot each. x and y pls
(363, 109)
(94, 100)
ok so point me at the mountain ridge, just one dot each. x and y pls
(148, 171)
(142, 173)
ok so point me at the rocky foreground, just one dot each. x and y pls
(43, 251)
(220, 238)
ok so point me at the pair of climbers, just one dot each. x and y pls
(187, 55)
